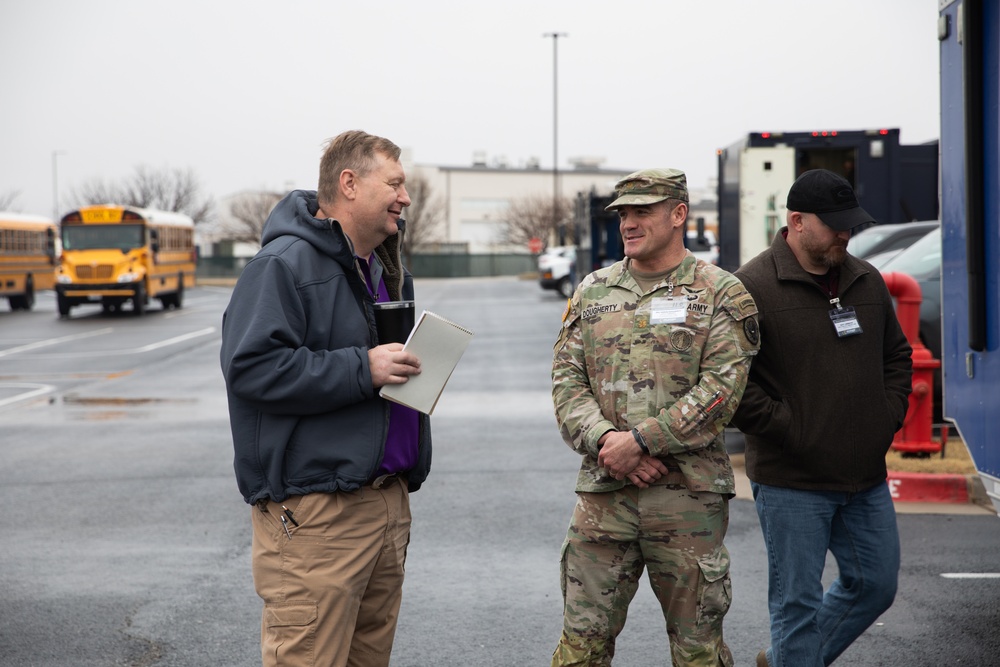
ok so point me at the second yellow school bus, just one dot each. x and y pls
(112, 254)
(27, 257)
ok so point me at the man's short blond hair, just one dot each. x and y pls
(354, 150)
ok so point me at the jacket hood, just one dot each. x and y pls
(293, 216)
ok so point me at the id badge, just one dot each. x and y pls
(665, 310)
(845, 322)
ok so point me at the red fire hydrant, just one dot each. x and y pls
(916, 435)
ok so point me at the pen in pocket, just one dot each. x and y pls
(291, 518)
(717, 400)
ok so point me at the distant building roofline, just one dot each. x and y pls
(526, 170)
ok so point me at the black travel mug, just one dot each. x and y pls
(393, 321)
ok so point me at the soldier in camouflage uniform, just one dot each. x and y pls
(649, 366)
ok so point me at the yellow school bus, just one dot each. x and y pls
(112, 254)
(27, 258)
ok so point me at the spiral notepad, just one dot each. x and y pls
(439, 344)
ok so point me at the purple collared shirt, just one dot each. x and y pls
(404, 425)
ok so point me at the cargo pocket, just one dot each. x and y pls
(562, 568)
(716, 590)
(289, 634)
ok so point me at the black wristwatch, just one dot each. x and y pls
(642, 442)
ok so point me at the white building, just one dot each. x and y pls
(476, 197)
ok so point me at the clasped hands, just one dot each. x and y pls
(623, 458)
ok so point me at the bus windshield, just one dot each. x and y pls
(97, 237)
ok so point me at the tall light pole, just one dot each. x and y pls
(55, 185)
(555, 130)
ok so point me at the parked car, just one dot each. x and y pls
(922, 262)
(879, 259)
(705, 247)
(556, 265)
(556, 269)
(879, 239)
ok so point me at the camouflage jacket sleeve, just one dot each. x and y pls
(617, 365)
(579, 414)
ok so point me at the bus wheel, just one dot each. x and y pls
(179, 296)
(28, 300)
(63, 304)
(24, 301)
(139, 300)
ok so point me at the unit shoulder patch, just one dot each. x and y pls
(751, 330)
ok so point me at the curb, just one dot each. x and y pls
(930, 487)
(915, 491)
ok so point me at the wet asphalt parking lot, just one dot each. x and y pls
(124, 541)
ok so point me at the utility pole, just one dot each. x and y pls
(55, 186)
(555, 131)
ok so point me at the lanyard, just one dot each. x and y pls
(377, 294)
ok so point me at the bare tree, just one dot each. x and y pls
(7, 200)
(165, 189)
(535, 216)
(248, 212)
(424, 216)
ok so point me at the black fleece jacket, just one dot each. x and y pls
(819, 412)
(295, 342)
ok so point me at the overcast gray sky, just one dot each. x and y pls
(245, 92)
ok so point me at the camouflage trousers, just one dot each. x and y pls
(678, 536)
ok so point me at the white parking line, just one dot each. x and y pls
(172, 341)
(971, 575)
(38, 390)
(112, 353)
(53, 341)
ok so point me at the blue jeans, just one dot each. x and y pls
(810, 627)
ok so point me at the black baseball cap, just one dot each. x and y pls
(828, 196)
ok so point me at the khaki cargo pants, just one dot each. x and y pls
(332, 591)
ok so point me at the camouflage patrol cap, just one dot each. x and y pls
(648, 187)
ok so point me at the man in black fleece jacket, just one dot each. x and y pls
(826, 393)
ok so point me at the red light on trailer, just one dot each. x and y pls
(883, 132)
(815, 134)
(765, 135)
